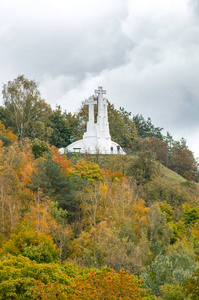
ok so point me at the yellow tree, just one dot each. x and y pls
(115, 226)
(10, 189)
(16, 165)
(45, 217)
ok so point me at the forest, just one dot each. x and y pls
(82, 226)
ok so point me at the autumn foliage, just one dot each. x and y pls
(63, 220)
(107, 285)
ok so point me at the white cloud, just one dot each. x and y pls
(144, 53)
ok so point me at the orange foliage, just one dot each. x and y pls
(39, 216)
(118, 175)
(50, 291)
(107, 285)
(64, 164)
(14, 162)
(26, 165)
(7, 132)
(104, 285)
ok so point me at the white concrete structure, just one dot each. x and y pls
(97, 138)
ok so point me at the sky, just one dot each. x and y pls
(145, 54)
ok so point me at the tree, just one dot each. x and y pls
(16, 165)
(62, 131)
(145, 128)
(115, 225)
(191, 215)
(6, 135)
(162, 188)
(24, 110)
(172, 291)
(182, 161)
(142, 168)
(122, 128)
(50, 291)
(191, 286)
(49, 178)
(167, 210)
(160, 232)
(39, 148)
(23, 279)
(64, 163)
(29, 243)
(159, 149)
(172, 267)
(107, 285)
(60, 230)
(88, 170)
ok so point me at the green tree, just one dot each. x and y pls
(39, 148)
(48, 178)
(24, 110)
(142, 168)
(172, 267)
(61, 230)
(34, 245)
(122, 128)
(160, 232)
(172, 291)
(23, 279)
(145, 128)
(167, 210)
(62, 128)
(190, 215)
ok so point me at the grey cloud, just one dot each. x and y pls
(62, 48)
(194, 4)
(145, 53)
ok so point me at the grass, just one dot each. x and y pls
(169, 174)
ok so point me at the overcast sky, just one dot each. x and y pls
(145, 53)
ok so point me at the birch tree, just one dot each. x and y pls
(26, 113)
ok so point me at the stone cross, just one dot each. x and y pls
(90, 102)
(100, 90)
(100, 93)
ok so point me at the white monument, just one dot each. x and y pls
(97, 138)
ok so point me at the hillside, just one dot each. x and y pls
(125, 212)
(171, 175)
(94, 226)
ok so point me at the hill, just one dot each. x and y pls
(171, 175)
(72, 226)
(126, 212)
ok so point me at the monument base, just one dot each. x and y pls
(92, 148)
